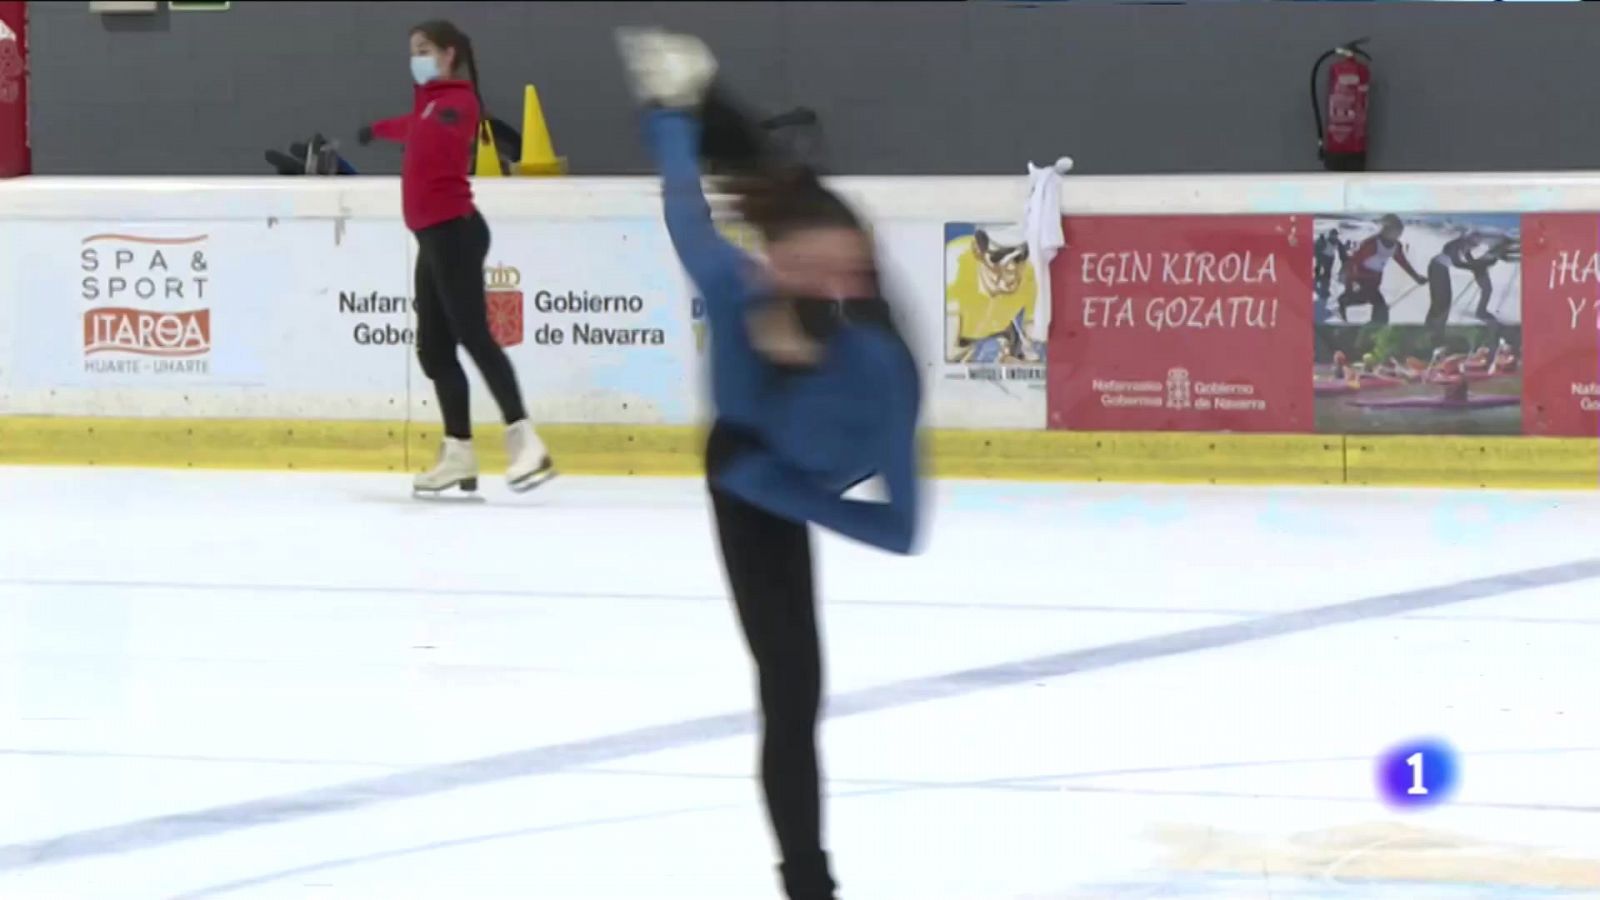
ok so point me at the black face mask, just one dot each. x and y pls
(821, 319)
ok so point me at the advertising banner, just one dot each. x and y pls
(1562, 283)
(1399, 323)
(992, 361)
(597, 319)
(1419, 323)
(1192, 323)
(15, 155)
(341, 307)
(130, 305)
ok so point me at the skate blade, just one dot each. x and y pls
(523, 486)
(468, 489)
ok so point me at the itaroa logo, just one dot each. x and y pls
(156, 318)
(142, 332)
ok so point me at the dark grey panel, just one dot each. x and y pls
(903, 87)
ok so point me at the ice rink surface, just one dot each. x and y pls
(221, 684)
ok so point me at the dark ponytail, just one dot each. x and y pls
(446, 36)
(471, 60)
(784, 198)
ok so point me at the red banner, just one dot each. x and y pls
(1561, 324)
(14, 157)
(1195, 323)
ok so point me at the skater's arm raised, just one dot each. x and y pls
(717, 267)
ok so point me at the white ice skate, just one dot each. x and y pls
(530, 461)
(457, 467)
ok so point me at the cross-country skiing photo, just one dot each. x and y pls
(1411, 379)
(1434, 270)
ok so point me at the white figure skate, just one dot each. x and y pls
(457, 468)
(530, 460)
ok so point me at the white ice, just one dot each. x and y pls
(178, 641)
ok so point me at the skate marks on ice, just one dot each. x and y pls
(1384, 853)
(497, 495)
(1372, 861)
(449, 498)
(564, 491)
(173, 828)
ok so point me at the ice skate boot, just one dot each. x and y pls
(530, 462)
(457, 468)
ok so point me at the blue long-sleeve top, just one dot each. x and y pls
(850, 417)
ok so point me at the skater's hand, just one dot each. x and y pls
(672, 70)
(364, 136)
(1421, 280)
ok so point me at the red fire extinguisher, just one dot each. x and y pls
(1342, 123)
(13, 89)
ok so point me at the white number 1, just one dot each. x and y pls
(1415, 762)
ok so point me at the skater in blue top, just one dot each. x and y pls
(815, 391)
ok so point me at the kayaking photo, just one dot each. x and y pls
(1417, 379)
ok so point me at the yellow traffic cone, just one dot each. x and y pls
(488, 157)
(538, 155)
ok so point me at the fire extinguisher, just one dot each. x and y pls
(1342, 123)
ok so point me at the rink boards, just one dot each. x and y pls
(600, 449)
(266, 323)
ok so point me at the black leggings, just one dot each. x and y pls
(452, 310)
(768, 562)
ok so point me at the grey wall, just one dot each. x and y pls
(903, 87)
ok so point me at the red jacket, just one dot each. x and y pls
(440, 135)
(1366, 265)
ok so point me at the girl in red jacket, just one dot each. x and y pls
(439, 136)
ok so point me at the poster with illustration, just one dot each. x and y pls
(1419, 323)
(991, 338)
(990, 293)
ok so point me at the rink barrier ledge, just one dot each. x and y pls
(675, 450)
(1489, 462)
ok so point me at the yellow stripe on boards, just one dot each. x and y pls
(673, 450)
(1498, 462)
(1139, 457)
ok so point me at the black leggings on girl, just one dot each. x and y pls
(451, 311)
(768, 562)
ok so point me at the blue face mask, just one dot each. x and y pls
(424, 69)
